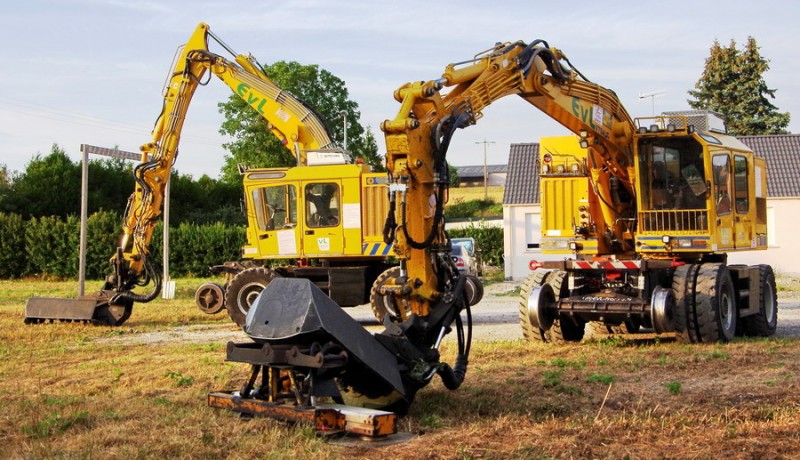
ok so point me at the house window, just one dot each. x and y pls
(533, 230)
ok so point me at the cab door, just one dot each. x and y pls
(722, 193)
(322, 218)
(744, 221)
(272, 221)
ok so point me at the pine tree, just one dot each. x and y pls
(733, 84)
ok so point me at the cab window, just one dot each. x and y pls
(322, 204)
(275, 207)
(740, 184)
(722, 183)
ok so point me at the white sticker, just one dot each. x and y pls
(352, 215)
(324, 244)
(283, 115)
(599, 114)
(286, 242)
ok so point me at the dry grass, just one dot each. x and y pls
(66, 391)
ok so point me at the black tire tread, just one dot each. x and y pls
(243, 278)
(757, 325)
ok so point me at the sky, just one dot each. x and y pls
(91, 71)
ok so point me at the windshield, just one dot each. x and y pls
(672, 174)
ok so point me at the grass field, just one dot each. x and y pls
(81, 391)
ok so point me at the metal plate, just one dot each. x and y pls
(42, 308)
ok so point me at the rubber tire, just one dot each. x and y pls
(713, 318)
(564, 329)
(243, 290)
(383, 305)
(760, 324)
(684, 279)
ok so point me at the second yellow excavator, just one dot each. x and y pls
(326, 214)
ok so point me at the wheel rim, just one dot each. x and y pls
(769, 304)
(726, 312)
(247, 295)
(210, 298)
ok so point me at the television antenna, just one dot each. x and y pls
(652, 95)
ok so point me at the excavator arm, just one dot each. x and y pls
(297, 126)
(418, 137)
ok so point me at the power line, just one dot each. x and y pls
(74, 118)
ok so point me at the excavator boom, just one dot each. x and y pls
(296, 125)
(418, 137)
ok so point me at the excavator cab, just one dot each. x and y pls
(701, 192)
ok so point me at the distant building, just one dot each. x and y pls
(472, 176)
(522, 212)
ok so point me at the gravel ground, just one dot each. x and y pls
(494, 318)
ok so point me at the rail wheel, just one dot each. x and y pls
(210, 298)
(243, 290)
(473, 289)
(763, 323)
(384, 305)
(713, 318)
(564, 328)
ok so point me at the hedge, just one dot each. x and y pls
(48, 247)
(13, 262)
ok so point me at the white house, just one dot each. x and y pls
(521, 210)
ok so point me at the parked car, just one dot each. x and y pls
(467, 265)
(472, 250)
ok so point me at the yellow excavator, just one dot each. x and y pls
(630, 254)
(327, 213)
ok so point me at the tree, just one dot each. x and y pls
(452, 171)
(253, 144)
(50, 186)
(5, 190)
(733, 84)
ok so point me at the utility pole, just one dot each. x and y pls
(485, 169)
(343, 113)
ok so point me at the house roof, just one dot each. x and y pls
(477, 171)
(522, 181)
(782, 152)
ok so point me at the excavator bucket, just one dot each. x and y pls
(295, 311)
(96, 308)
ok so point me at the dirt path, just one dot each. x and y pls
(494, 318)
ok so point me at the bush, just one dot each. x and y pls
(52, 246)
(489, 240)
(12, 246)
(103, 230)
(194, 248)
